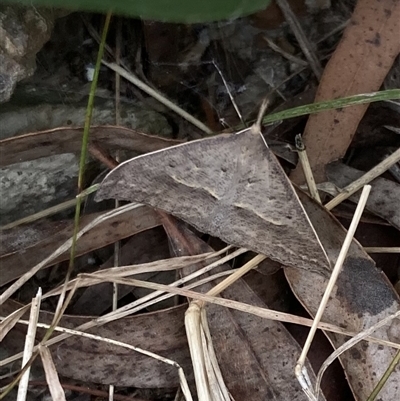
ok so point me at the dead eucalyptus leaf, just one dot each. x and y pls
(89, 360)
(25, 255)
(256, 356)
(230, 186)
(69, 140)
(362, 296)
(384, 200)
(360, 63)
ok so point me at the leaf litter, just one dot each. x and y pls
(265, 352)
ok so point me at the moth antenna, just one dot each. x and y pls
(235, 106)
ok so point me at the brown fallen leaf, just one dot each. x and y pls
(362, 297)
(385, 195)
(256, 356)
(230, 186)
(69, 140)
(361, 61)
(25, 255)
(88, 360)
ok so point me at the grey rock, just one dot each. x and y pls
(31, 186)
(23, 31)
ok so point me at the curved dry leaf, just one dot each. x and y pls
(257, 356)
(88, 360)
(360, 63)
(362, 296)
(384, 199)
(26, 255)
(69, 140)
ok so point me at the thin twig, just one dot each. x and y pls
(305, 164)
(284, 53)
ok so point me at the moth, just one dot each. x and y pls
(230, 186)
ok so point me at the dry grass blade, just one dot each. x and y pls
(192, 324)
(365, 179)
(62, 305)
(300, 372)
(4, 392)
(51, 210)
(209, 383)
(133, 306)
(11, 320)
(29, 344)
(240, 306)
(382, 202)
(261, 312)
(23, 248)
(382, 249)
(52, 379)
(383, 380)
(237, 275)
(160, 265)
(162, 99)
(218, 385)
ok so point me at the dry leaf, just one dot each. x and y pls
(256, 356)
(25, 256)
(69, 140)
(88, 360)
(362, 296)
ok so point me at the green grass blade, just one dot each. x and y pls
(389, 94)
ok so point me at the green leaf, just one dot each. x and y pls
(184, 11)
